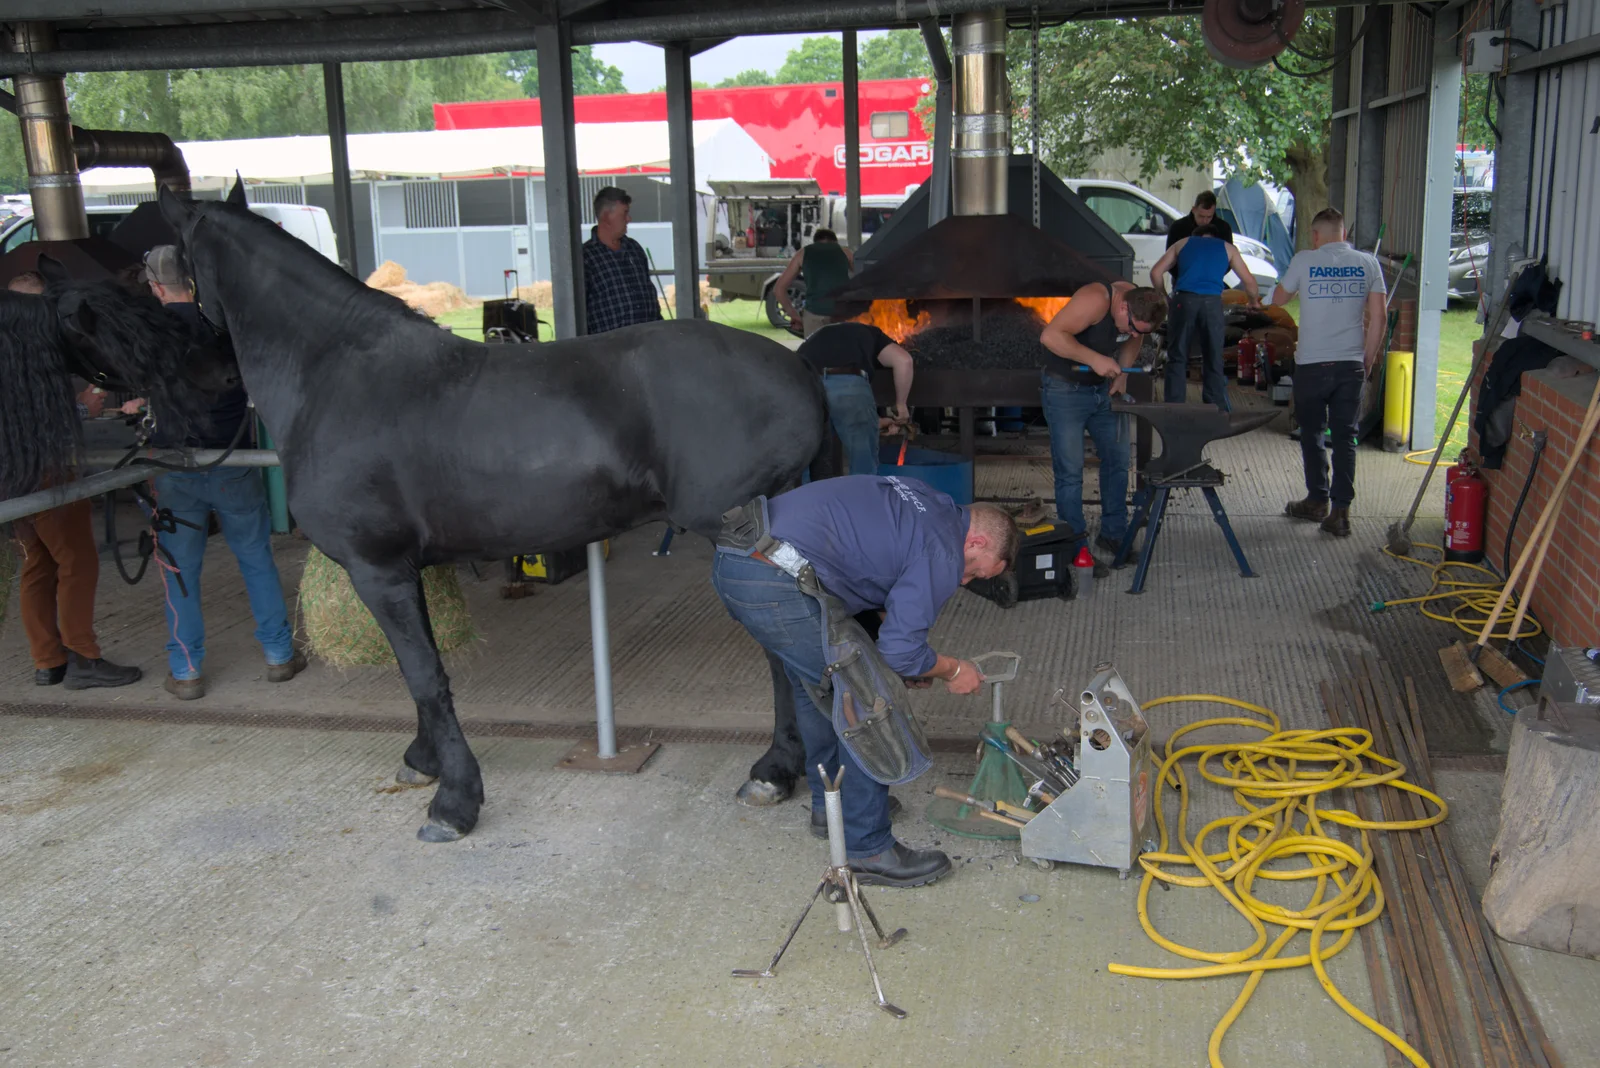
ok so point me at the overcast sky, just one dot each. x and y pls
(642, 69)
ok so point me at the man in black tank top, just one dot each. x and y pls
(1091, 341)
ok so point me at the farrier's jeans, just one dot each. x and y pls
(1196, 317)
(768, 603)
(1329, 395)
(854, 413)
(1069, 409)
(237, 496)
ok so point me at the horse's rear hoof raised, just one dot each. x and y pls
(434, 831)
(758, 794)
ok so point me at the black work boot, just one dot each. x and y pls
(819, 817)
(900, 865)
(1338, 522)
(50, 676)
(1310, 509)
(288, 669)
(86, 674)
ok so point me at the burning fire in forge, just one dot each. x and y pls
(942, 333)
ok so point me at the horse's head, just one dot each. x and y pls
(186, 217)
(127, 341)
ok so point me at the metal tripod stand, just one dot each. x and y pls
(840, 883)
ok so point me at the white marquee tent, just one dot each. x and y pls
(722, 150)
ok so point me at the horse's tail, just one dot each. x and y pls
(39, 430)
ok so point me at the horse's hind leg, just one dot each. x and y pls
(772, 778)
(394, 596)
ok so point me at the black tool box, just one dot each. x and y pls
(1043, 567)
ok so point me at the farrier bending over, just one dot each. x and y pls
(894, 545)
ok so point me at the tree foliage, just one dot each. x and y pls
(1149, 85)
(814, 59)
(747, 77)
(897, 54)
(591, 76)
(242, 102)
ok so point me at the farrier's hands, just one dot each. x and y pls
(133, 407)
(1119, 384)
(1104, 366)
(966, 680)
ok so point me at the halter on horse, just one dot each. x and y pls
(404, 446)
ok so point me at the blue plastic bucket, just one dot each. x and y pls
(944, 471)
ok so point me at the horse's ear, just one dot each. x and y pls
(236, 195)
(175, 209)
(52, 270)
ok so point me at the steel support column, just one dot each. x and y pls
(680, 145)
(852, 142)
(41, 105)
(943, 109)
(344, 212)
(1370, 162)
(562, 210)
(1444, 106)
(1513, 162)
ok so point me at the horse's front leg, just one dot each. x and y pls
(772, 778)
(394, 596)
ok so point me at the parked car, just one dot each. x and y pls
(1469, 242)
(1143, 220)
(310, 224)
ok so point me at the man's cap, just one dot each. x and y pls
(162, 265)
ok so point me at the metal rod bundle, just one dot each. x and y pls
(1442, 955)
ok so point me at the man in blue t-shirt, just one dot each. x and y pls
(1202, 262)
(1342, 312)
(892, 545)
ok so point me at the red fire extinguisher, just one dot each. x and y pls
(1247, 360)
(1266, 354)
(1466, 505)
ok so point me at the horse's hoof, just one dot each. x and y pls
(410, 776)
(758, 794)
(434, 831)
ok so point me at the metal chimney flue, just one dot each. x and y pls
(982, 119)
(47, 141)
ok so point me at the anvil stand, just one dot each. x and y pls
(845, 893)
(1185, 429)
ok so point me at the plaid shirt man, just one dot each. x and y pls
(617, 290)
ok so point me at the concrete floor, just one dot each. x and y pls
(235, 880)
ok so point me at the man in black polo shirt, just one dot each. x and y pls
(1204, 213)
(845, 354)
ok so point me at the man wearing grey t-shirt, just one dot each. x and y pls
(1341, 292)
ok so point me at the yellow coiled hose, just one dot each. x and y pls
(1473, 599)
(1278, 781)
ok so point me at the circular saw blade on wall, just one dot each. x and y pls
(1244, 34)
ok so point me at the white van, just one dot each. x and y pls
(1143, 221)
(310, 224)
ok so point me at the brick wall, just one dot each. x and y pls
(1567, 598)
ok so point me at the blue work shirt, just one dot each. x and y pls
(887, 543)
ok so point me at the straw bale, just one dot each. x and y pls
(338, 628)
(388, 275)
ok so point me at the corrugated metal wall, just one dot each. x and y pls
(1406, 131)
(1564, 188)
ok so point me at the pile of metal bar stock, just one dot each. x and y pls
(1453, 987)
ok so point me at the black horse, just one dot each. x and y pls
(45, 341)
(404, 446)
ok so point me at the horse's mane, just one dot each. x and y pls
(357, 303)
(39, 430)
(142, 344)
